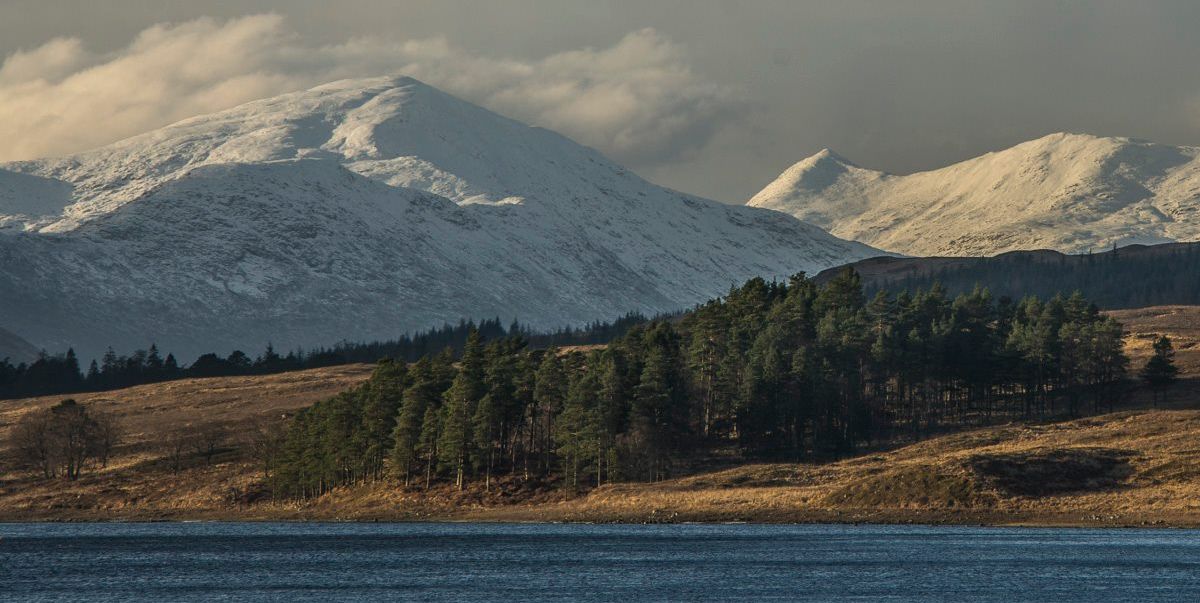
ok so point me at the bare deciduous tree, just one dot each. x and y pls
(64, 439)
(178, 442)
(76, 433)
(33, 442)
(108, 434)
(264, 443)
(207, 440)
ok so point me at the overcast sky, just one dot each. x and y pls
(713, 98)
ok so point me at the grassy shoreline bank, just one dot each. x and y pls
(1127, 469)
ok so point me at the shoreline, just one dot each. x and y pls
(542, 515)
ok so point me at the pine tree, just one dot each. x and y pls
(549, 392)
(431, 427)
(844, 291)
(577, 430)
(1160, 370)
(170, 366)
(379, 410)
(93, 375)
(761, 411)
(71, 377)
(612, 412)
(658, 401)
(524, 410)
(154, 363)
(496, 408)
(1107, 365)
(704, 353)
(418, 397)
(461, 401)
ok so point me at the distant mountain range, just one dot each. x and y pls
(1066, 192)
(359, 210)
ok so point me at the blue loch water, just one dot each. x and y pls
(545, 562)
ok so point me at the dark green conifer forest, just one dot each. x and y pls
(786, 371)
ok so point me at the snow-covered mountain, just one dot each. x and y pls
(360, 210)
(1067, 192)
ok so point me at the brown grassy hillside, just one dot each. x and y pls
(1129, 468)
(138, 481)
(1180, 323)
(148, 411)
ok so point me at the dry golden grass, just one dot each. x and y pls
(1180, 323)
(582, 349)
(147, 412)
(1129, 468)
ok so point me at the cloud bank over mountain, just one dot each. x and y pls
(637, 100)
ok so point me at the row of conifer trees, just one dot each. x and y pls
(52, 374)
(772, 370)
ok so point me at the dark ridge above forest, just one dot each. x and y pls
(16, 349)
(1125, 277)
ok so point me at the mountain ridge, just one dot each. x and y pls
(1068, 192)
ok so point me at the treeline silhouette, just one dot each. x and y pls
(779, 370)
(61, 373)
(1127, 277)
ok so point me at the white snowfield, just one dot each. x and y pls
(1067, 192)
(359, 210)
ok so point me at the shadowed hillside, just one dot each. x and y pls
(1128, 277)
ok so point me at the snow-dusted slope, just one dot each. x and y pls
(14, 349)
(361, 210)
(28, 201)
(1066, 192)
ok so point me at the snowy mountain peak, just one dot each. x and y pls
(393, 129)
(1063, 191)
(827, 155)
(813, 179)
(360, 209)
(815, 172)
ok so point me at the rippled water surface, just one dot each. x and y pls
(505, 562)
